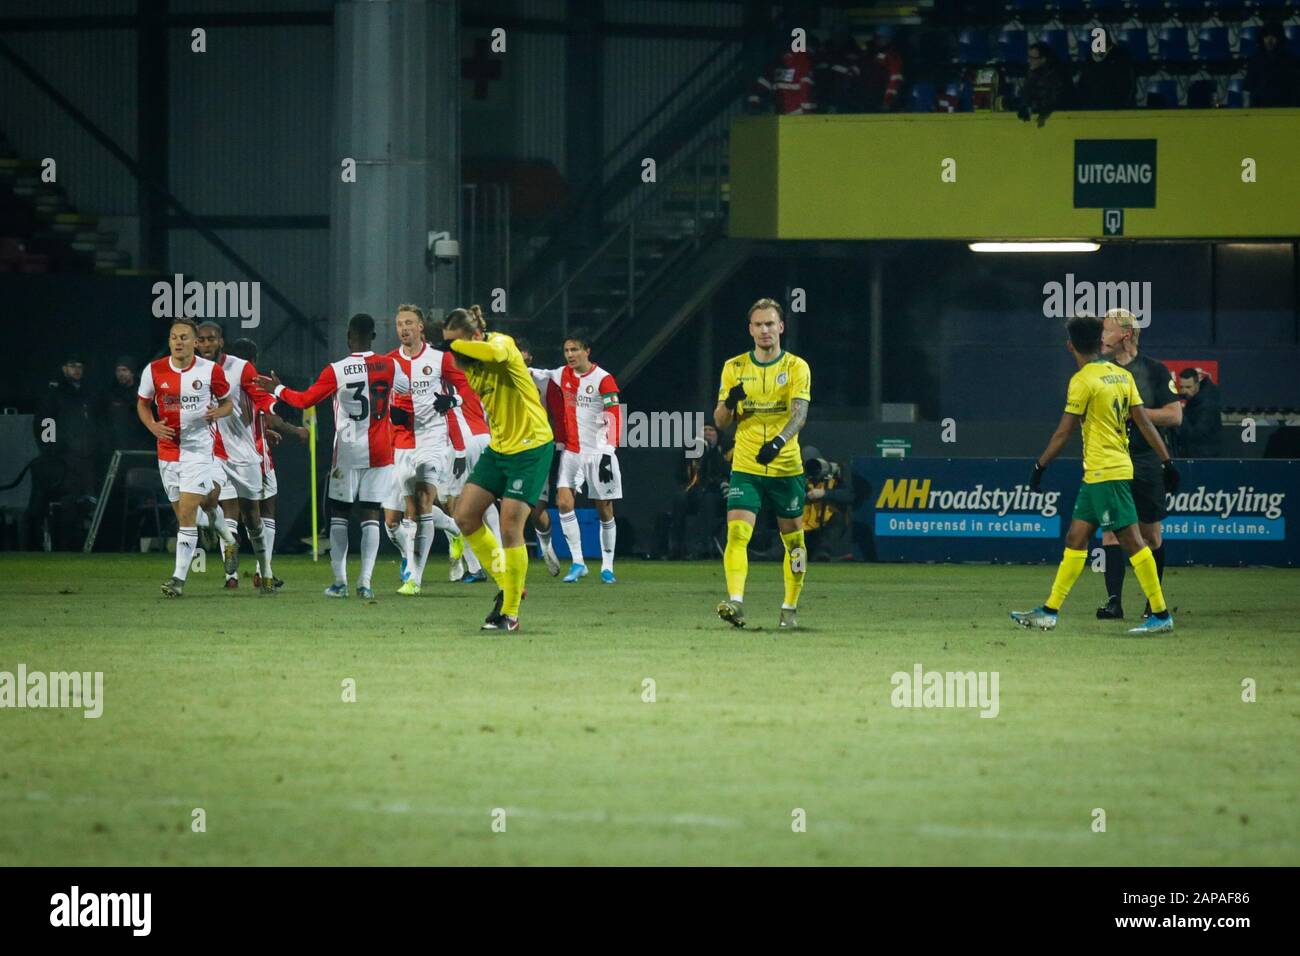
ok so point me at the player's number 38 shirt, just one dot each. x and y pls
(181, 397)
(770, 388)
(1102, 394)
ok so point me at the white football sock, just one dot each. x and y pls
(339, 549)
(492, 518)
(218, 521)
(444, 522)
(407, 534)
(268, 539)
(572, 535)
(187, 541)
(369, 551)
(202, 517)
(544, 542)
(424, 532)
(256, 539)
(232, 525)
(608, 531)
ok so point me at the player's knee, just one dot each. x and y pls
(739, 532)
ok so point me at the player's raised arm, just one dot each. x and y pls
(483, 350)
(730, 395)
(801, 392)
(221, 391)
(324, 387)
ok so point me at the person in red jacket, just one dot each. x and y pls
(786, 87)
(882, 72)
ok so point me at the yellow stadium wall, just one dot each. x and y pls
(878, 176)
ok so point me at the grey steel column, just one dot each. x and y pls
(397, 113)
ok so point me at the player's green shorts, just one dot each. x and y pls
(749, 492)
(1106, 504)
(520, 475)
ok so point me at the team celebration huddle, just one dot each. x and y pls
(454, 431)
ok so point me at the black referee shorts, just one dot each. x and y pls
(1149, 497)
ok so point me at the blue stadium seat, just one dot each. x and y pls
(1058, 40)
(1293, 39)
(1201, 94)
(1066, 8)
(1137, 43)
(1188, 9)
(1235, 98)
(1162, 94)
(1030, 7)
(1212, 45)
(922, 97)
(1106, 9)
(1013, 47)
(1248, 41)
(973, 47)
(1172, 43)
(1236, 7)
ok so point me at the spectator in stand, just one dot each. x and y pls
(882, 72)
(1107, 80)
(828, 508)
(124, 431)
(1272, 75)
(1047, 87)
(1201, 433)
(837, 72)
(66, 428)
(703, 480)
(786, 87)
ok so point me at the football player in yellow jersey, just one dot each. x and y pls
(515, 463)
(765, 392)
(1103, 397)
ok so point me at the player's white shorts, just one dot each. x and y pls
(474, 448)
(241, 481)
(578, 470)
(361, 484)
(191, 477)
(269, 485)
(412, 466)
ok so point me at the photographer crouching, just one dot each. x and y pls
(828, 508)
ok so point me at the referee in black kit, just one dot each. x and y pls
(1155, 383)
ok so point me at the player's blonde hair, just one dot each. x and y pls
(466, 320)
(767, 304)
(408, 307)
(1125, 320)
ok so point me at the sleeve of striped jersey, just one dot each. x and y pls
(146, 389)
(1076, 398)
(608, 391)
(801, 381)
(493, 350)
(220, 387)
(555, 411)
(262, 400)
(451, 373)
(323, 388)
(728, 380)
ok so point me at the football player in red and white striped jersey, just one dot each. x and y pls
(236, 449)
(190, 394)
(428, 453)
(361, 384)
(268, 429)
(592, 423)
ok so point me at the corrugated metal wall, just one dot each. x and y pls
(96, 71)
(539, 96)
(251, 122)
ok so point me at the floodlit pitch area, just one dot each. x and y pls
(232, 703)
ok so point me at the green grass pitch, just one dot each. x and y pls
(232, 703)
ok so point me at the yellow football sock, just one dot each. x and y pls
(515, 576)
(1144, 566)
(735, 560)
(794, 567)
(1072, 563)
(489, 553)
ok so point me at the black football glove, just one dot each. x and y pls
(1036, 477)
(606, 471)
(735, 397)
(1170, 475)
(768, 452)
(458, 468)
(399, 415)
(443, 403)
